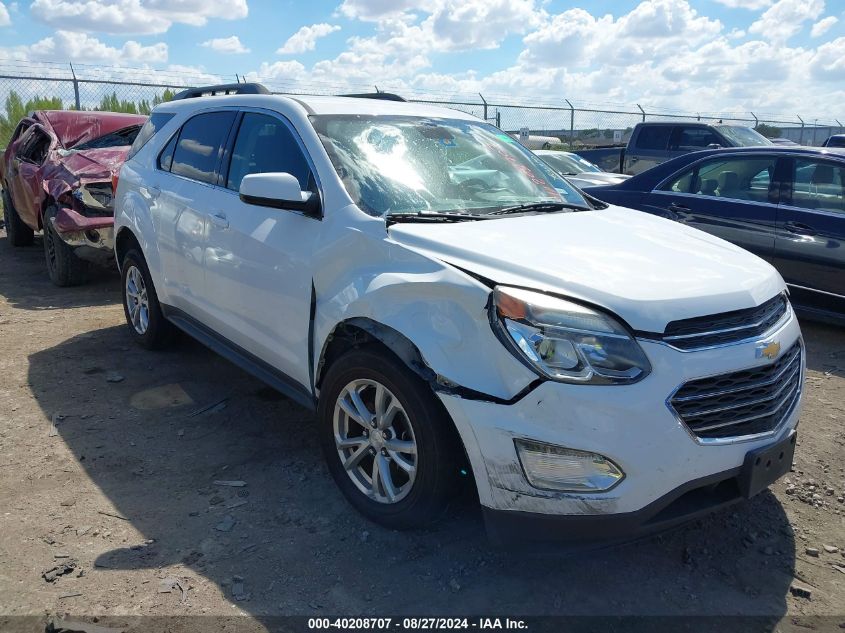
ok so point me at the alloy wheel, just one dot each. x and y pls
(375, 441)
(137, 302)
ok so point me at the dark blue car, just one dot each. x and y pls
(786, 204)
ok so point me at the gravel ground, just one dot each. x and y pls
(109, 456)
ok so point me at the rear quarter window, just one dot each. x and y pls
(156, 121)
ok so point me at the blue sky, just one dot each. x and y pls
(696, 55)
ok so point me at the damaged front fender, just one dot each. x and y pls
(439, 310)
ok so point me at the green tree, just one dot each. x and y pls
(111, 103)
(769, 131)
(16, 109)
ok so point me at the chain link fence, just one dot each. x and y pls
(572, 124)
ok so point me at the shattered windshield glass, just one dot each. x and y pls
(401, 164)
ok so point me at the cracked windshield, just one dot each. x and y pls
(392, 165)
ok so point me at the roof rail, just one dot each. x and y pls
(222, 89)
(386, 96)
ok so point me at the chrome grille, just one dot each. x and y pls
(741, 403)
(727, 327)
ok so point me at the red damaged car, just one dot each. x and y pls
(56, 175)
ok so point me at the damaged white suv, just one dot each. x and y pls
(446, 302)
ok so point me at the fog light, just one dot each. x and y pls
(550, 467)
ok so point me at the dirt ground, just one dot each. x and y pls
(109, 456)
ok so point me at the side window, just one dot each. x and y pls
(34, 147)
(165, 159)
(654, 137)
(153, 125)
(681, 184)
(266, 144)
(818, 185)
(199, 146)
(735, 178)
(23, 126)
(693, 138)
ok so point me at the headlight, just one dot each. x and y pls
(566, 341)
(95, 199)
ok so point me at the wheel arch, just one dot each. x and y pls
(123, 241)
(359, 331)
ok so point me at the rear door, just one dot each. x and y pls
(185, 191)
(649, 148)
(258, 262)
(810, 238)
(732, 197)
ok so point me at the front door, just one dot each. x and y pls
(730, 197)
(258, 264)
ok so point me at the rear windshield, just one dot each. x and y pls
(118, 138)
(156, 121)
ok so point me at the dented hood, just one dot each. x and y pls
(70, 169)
(73, 128)
(646, 269)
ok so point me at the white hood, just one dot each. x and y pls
(646, 269)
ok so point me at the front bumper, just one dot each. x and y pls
(631, 425)
(91, 237)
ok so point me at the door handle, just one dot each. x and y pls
(219, 220)
(800, 228)
(679, 208)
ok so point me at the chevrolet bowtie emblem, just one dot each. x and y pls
(768, 350)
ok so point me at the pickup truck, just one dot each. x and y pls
(652, 143)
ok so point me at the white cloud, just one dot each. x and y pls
(375, 10)
(785, 18)
(229, 45)
(823, 26)
(752, 5)
(65, 45)
(655, 29)
(479, 24)
(828, 62)
(278, 71)
(305, 39)
(133, 16)
(5, 20)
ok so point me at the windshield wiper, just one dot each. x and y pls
(545, 207)
(432, 216)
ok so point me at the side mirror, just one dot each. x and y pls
(279, 190)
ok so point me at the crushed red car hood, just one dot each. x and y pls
(73, 128)
(90, 165)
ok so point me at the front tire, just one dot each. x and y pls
(147, 325)
(18, 233)
(388, 441)
(63, 266)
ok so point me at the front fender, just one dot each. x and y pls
(438, 308)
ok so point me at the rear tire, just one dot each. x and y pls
(18, 233)
(63, 266)
(147, 325)
(409, 429)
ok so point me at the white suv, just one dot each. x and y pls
(449, 305)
